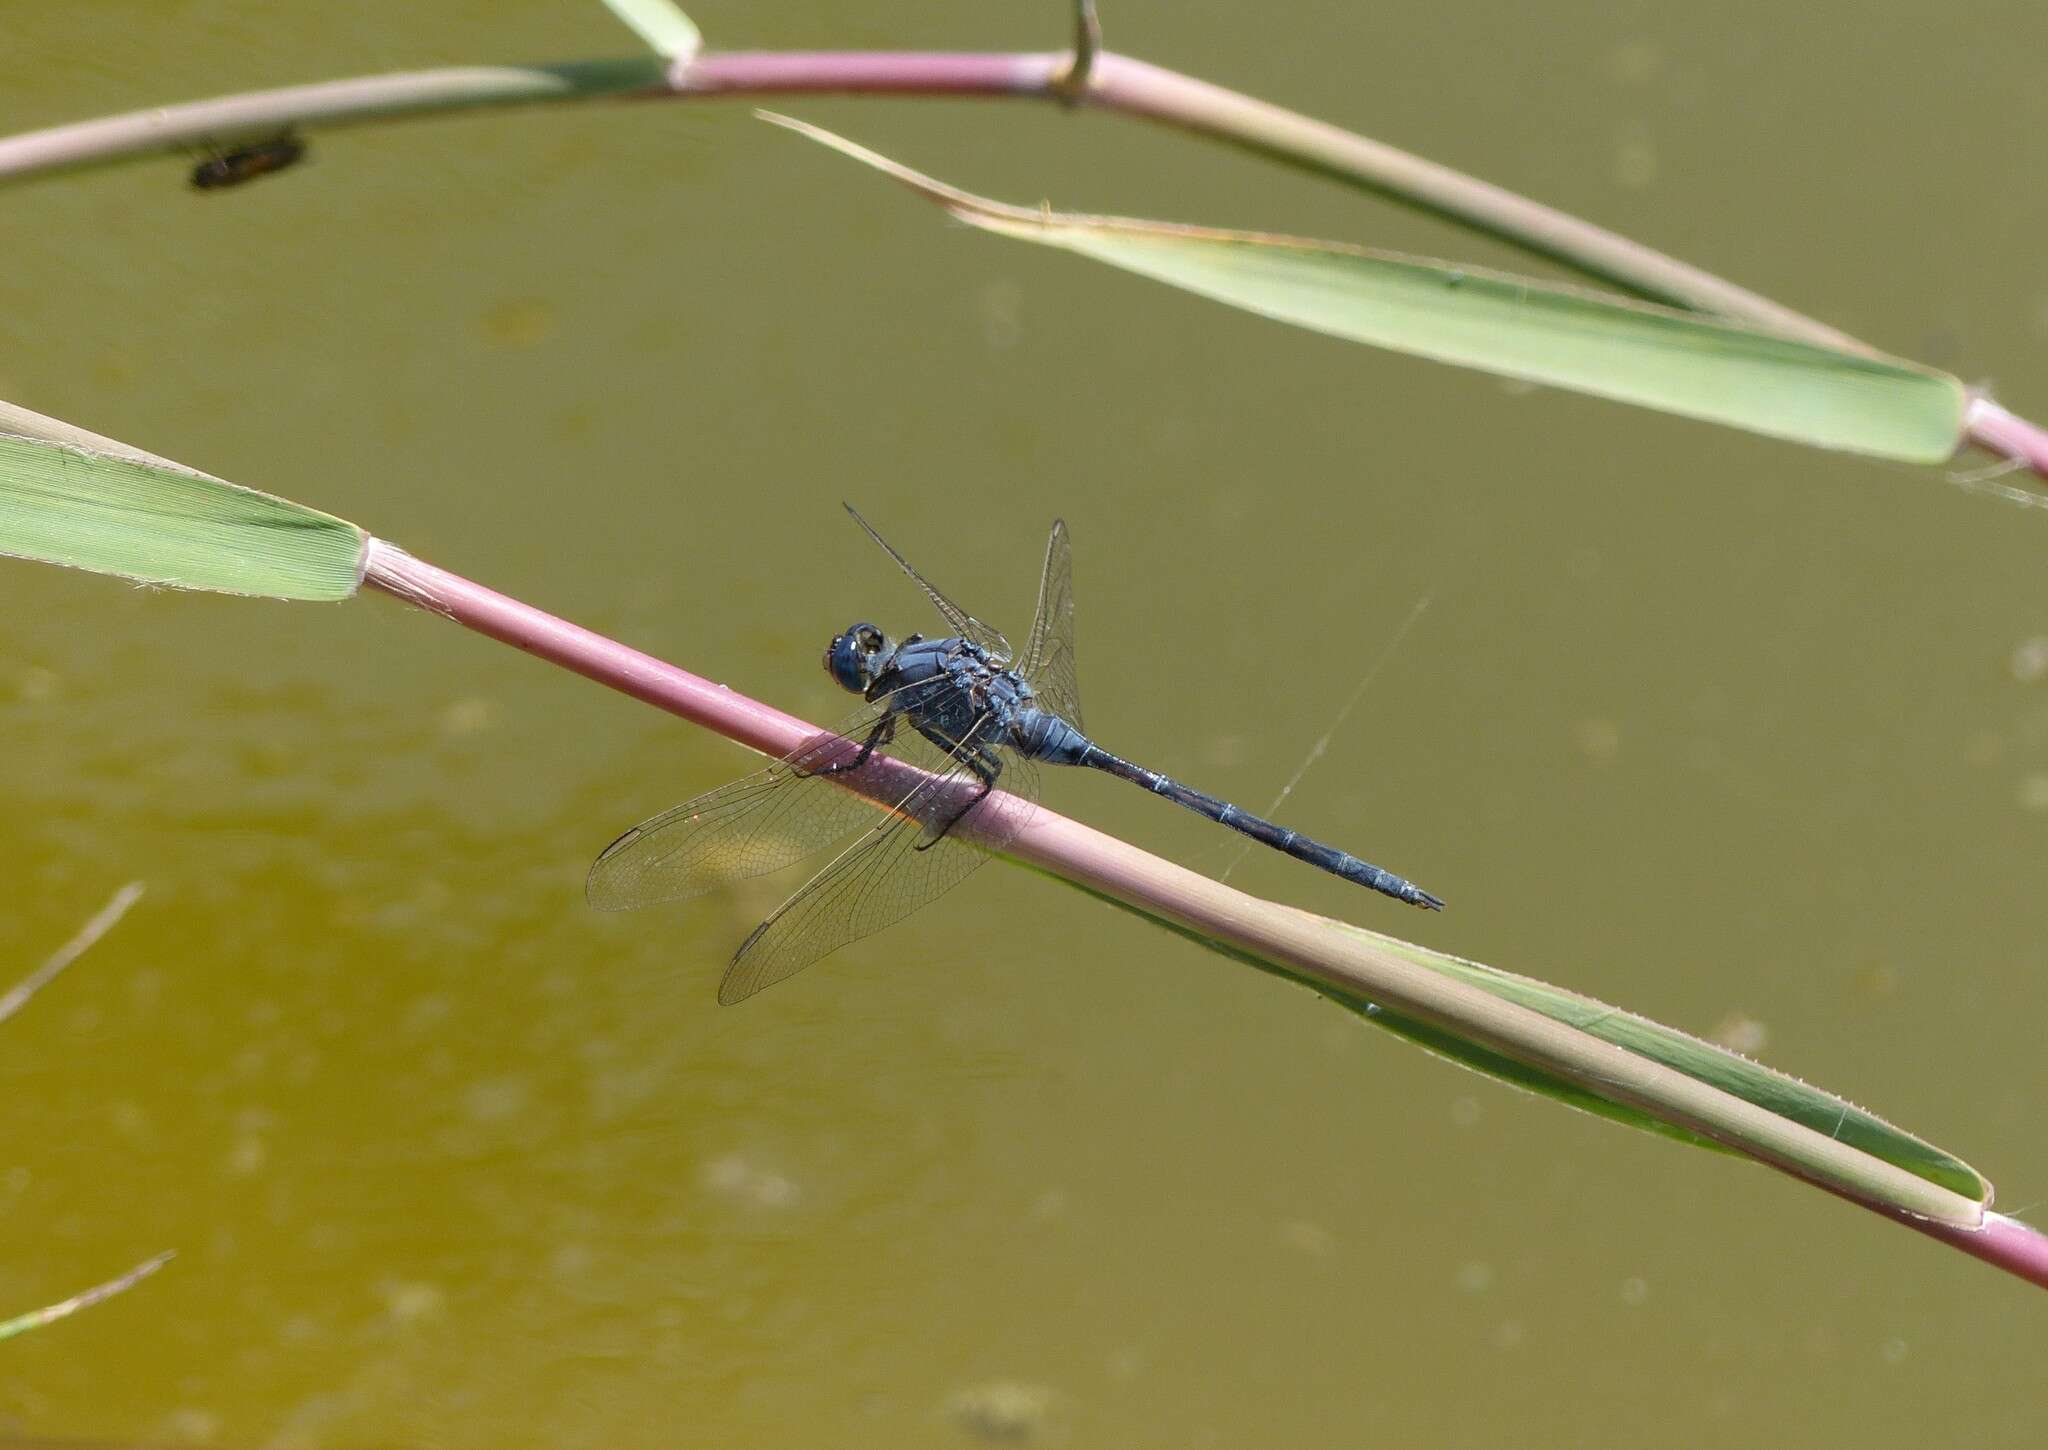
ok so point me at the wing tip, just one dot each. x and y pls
(741, 981)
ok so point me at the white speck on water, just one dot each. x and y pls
(1635, 161)
(2029, 660)
(736, 1178)
(494, 1100)
(1633, 62)
(1598, 739)
(1307, 1237)
(1002, 1411)
(410, 1302)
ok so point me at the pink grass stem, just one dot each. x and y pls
(880, 72)
(1349, 963)
(1994, 429)
(1135, 87)
(1115, 83)
(1127, 86)
(2006, 1243)
(622, 668)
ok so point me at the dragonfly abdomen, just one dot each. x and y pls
(1268, 833)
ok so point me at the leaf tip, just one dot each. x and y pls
(962, 204)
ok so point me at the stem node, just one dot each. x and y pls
(1071, 85)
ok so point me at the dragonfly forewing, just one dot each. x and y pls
(930, 842)
(964, 624)
(757, 824)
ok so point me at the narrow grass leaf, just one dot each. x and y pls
(1715, 1067)
(103, 921)
(1541, 332)
(160, 524)
(99, 1293)
(662, 25)
(1732, 1073)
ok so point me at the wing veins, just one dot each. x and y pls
(1049, 663)
(807, 921)
(728, 834)
(965, 624)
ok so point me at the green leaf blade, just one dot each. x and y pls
(1630, 352)
(1725, 1073)
(1706, 1062)
(1560, 336)
(670, 33)
(158, 524)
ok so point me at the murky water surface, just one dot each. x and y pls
(1746, 737)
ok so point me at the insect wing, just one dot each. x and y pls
(757, 824)
(897, 867)
(1049, 652)
(963, 623)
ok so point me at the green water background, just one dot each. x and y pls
(1746, 737)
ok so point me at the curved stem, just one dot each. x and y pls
(1096, 77)
(1350, 963)
(328, 103)
(1993, 428)
(364, 99)
(1142, 89)
(995, 74)
(2003, 1242)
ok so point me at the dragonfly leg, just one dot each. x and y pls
(882, 734)
(985, 765)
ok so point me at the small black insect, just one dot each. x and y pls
(248, 161)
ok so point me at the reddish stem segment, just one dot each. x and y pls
(879, 72)
(1122, 84)
(1103, 864)
(645, 678)
(1113, 82)
(1992, 428)
(2006, 1243)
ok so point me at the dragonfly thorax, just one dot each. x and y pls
(856, 658)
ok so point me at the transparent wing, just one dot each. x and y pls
(963, 623)
(759, 823)
(897, 867)
(1049, 652)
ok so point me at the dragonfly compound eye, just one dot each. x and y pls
(850, 658)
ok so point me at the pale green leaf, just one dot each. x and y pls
(151, 521)
(662, 24)
(1705, 1062)
(1567, 337)
(1724, 1073)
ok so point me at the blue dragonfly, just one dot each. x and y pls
(943, 722)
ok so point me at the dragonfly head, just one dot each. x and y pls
(856, 658)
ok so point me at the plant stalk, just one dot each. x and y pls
(1111, 82)
(1348, 962)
